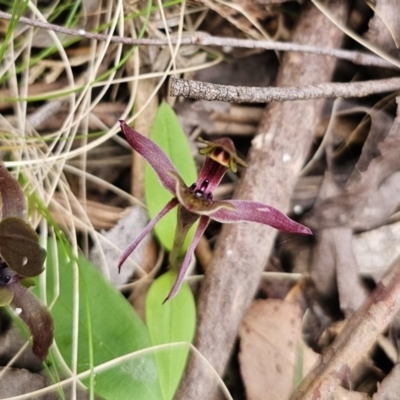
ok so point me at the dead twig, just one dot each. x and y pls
(242, 94)
(356, 57)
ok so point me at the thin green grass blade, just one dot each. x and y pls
(17, 12)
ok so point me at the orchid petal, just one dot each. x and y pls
(253, 211)
(158, 160)
(203, 223)
(127, 252)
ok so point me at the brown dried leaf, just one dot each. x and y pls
(270, 340)
(381, 123)
(335, 267)
(376, 250)
(370, 197)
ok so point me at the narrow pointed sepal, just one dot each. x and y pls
(253, 211)
(203, 223)
(127, 252)
(158, 160)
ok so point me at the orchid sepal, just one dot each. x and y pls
(127, 252)
(157, 159)
(203, 223)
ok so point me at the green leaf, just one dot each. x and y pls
(171, 322)
(168, 134)
(108, 328)
(19, 247)
(17, 12)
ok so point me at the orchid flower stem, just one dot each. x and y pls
(185, 221)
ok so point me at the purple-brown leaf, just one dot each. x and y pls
(19, 247)
(12, 200)
(36, 317)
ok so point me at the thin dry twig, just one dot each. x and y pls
(242, 94)
(356, 57)
(275, 159)
(358, 336)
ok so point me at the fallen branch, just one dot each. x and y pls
(356, 57)
(242, 94)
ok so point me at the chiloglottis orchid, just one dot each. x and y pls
(196, 202)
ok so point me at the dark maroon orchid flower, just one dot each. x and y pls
(196, 201)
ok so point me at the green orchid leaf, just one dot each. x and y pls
(108, 328)
(167, 133)
(171, 322)
(19, 247)
(12, 200)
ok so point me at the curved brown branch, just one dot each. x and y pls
(356, 57)
(242, 94)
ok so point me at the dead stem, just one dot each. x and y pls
(241, 94)
(355, 57)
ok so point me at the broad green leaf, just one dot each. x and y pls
(108, 328)
(171, 322)
(168, 134)
(19, 247)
